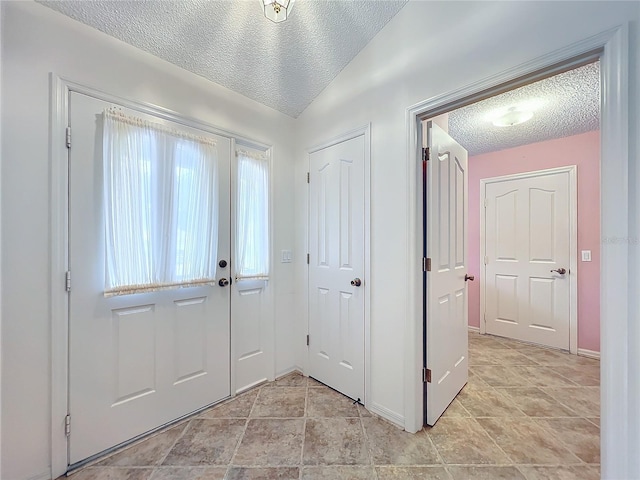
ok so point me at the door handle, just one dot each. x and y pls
(469, 277)
(223, 282)
(356, 282)
(561, 271)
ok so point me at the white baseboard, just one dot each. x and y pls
(474, 329)
(289, 370)
(250, 386)
(384, 412)
(46, 475)
(583, 352)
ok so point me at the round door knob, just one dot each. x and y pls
(356, 282)
(223, 282)
(469, 277)
(222, 263)
(561, 271)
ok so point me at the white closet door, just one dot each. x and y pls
(336, 266)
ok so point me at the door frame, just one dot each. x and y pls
(59, 91)
(349, 135)
(573, 243)
(612, 48)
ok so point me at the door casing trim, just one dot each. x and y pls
(612, 48)
(59, 91)
(573, 243)
(356, 132)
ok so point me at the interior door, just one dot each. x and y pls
(136, 361)
(336, 266)
(446, 329)
(527, 254)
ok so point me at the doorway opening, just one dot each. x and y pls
(511, 238)
(522, 208)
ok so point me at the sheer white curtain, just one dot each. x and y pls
(161, 206)
(252, 216)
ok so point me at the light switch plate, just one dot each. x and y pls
(586, 255)
(286, 256)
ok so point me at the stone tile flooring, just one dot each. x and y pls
(527, 413)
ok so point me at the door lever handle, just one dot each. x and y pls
(469, 277)
(561, 271)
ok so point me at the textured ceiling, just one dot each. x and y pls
(284, 66)
(563, 105)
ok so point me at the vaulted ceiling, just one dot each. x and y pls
(286, 65)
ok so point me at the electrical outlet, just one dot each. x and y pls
(586, 255)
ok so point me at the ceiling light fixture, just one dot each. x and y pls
(277, 10)
(513, 116)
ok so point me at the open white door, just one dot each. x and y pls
(141, 360)
(446, 346)
(336, 266)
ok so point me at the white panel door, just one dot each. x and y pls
(336, 266)
(527, 247)
(136, 361)
(446, 246)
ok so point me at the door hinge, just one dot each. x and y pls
(307, 259)
(67, 425)
(486, 260)
(485, 203)
(68, 137)
(308, 179)
(67, 281)
(307, 340)
(426, 264)
(426, 154)
(426, 375)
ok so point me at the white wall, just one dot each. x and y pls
(634, 230)
(1, 68)
(428, 49)
(36, 41)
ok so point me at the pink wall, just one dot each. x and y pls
(582, 150)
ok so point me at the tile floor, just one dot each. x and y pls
(527, 413)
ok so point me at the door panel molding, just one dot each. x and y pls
(571, 170)
(612, 48)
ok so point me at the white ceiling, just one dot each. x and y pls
(563, 105)
(284, 66)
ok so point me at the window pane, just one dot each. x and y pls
(252, 233)
(161, 206)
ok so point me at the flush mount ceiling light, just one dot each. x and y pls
(512, 116)
(277, 10)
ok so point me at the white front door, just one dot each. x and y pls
(336, 266)
(527, 255)
(446, 246)
(136, 361)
